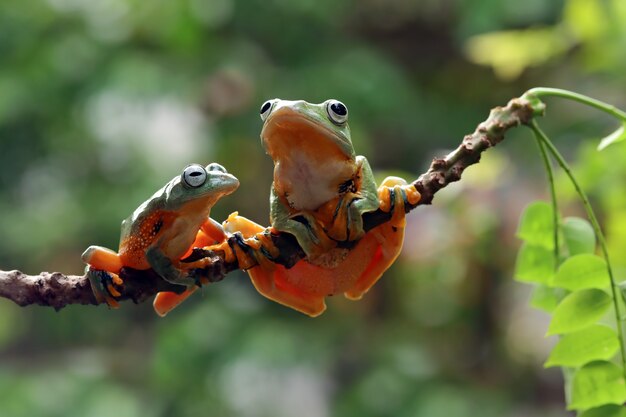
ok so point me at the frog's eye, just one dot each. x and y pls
(194, 175)
(214, 166)
(337, 111)
(266, 109)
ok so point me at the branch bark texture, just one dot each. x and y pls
(57, 290)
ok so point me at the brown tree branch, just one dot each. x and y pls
(57, 290)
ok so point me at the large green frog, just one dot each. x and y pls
(320, 191)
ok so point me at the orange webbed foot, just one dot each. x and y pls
(105, 285)
(104, 267)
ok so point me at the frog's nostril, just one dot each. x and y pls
(216, 167)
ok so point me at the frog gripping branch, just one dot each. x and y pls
(320, 191)
(362, 217)
(161, 232)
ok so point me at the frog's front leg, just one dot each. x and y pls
(368, 201)
(310, 235)
(210, 233)
(163, 265)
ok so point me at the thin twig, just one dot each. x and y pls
(57, 290)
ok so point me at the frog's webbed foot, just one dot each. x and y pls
(394, 194)
(105, 285)
(104, 267)
(255, 251)
(347, 221)
(253, 243)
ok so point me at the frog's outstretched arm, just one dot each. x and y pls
(57, 290)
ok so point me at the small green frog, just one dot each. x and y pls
(320, 191)
(162, 231)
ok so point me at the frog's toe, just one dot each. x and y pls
(164, 302)
(105, 286)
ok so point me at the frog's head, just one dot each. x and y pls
(199, 187)
(322, 129)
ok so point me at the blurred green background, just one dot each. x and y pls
(102, 102)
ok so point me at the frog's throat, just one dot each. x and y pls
(291, 130)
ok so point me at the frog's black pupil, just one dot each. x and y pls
(339, 109)
(266, 106)
(195, 173)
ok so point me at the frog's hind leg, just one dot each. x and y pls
(269, 278)
(383, 244)
(104, 267)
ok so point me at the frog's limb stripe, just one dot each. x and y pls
(166, 301)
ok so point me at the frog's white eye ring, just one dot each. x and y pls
(337, 112)
(266, 109)
(194, 175)
(214, 166)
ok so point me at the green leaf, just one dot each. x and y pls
(581, 272)
(622, 290)
(578, 310)
(545, 298)
(617, 136)
(576, 349)
(605, 411)
(595, 384)
(510, 52)
(579, 236)
(534, 264)
(536, 225)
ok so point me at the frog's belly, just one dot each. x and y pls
(307, 184)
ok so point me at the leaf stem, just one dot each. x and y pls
(555, 207)
(570, 95)
(596, 227)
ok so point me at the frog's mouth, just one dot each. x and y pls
(287, 131)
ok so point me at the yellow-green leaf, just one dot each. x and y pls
(579, 310)
(510, 52)
(617, 136)
(596, 384)
(534, 264)
(579, 236)
(546, 298)
(536, 225)
(581, 272)
(596, 342)
(610, 410)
